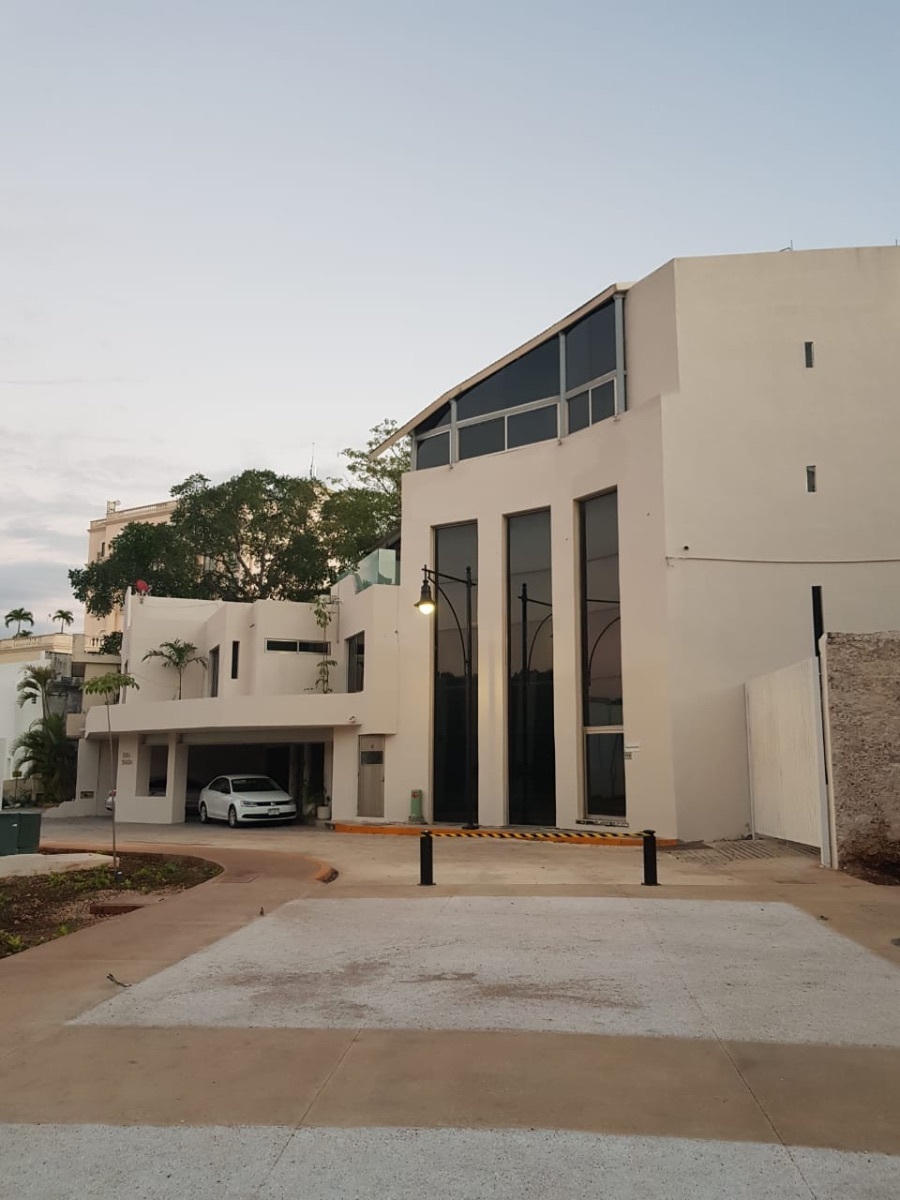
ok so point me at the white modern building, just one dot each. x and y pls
(674, 489)
(17, 655)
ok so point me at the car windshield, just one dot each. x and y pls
(255, 783)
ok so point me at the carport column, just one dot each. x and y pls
(176, 779)
(328, 772)
(89, 779)
(126, 770)
(294, 773)
(142, 776)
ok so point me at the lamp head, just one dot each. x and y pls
(425, 604)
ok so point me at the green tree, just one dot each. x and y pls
(65, 617)
(110, 686)
(110, 643)
(153, 553)
(46, 754)
(37, 683)
(257, 535)
(359, 514)
(179, 656)
(18, 617)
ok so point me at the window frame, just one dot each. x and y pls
(616, 376)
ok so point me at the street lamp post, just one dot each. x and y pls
(426, 605)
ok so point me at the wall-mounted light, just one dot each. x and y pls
(425, 603)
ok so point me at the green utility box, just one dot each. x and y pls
(29, 840)
(9, 832)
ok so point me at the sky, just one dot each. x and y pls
(232, 231)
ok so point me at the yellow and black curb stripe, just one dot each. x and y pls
(577, 838)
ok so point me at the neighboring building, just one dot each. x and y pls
(101, 534)
(671, 491)
(257, 706)
(16, 656)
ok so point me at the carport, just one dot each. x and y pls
(298, 760)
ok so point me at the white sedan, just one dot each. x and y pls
(242, 799)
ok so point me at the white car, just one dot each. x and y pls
(243, 799)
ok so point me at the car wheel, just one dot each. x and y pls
(232, 817)
(204, 815)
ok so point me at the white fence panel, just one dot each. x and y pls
(787, 772)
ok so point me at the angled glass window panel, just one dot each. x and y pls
(579, 412)
(438, 418)
(281, 645)
(603, 401)
(488, 437)
(536, 425)
(433, 452)
(591, 347)
(534, 376)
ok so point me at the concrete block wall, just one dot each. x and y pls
(861, 676)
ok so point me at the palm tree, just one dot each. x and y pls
(46, 753)
(109, 686)
(65, 617)
(37, 683)
(178, 655)
(18, 617)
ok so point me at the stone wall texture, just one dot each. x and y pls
(862, 695)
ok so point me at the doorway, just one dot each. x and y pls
(370, 799)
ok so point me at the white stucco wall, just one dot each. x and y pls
(624, 454)
(737, 438)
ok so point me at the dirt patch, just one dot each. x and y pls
(874, 870)
(40, 908)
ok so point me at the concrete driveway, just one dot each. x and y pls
(735, 1035)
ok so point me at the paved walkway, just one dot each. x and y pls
(538, 1025)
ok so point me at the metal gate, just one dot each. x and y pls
(370, 797)
(787, 762)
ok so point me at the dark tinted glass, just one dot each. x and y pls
(455, 548)
(214, 671)
(591, 347)
(255, 783)
(534, 376)
(579, 412)
(605, 771)
(235, 658)
(537, 425)
(433, 452)
(281, 645)
(314, 647)
(532, 759)
(603, 401)
(356, 660)
(441, 417)
(601, 646)
(486, 438)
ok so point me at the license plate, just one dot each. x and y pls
(274, 812)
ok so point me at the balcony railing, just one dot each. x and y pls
(143, 510)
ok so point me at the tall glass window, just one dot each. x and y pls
(455, 548)
(532, 759)
(356, 662)
(601, 668)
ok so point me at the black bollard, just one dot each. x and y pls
(650, 879)
(426, 861)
